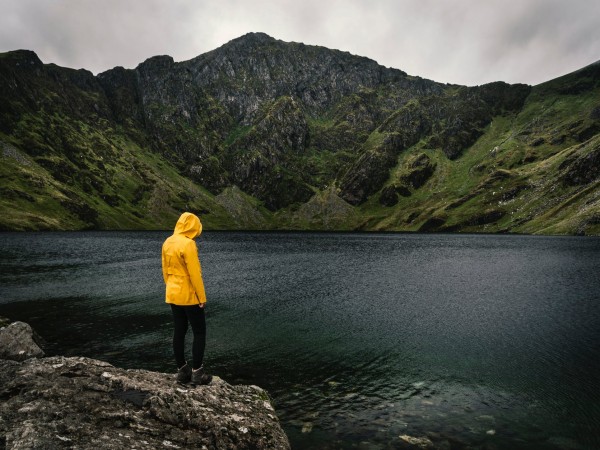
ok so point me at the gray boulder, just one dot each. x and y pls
(17, 342)
(61, 402)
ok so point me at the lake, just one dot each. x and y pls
(474, 341)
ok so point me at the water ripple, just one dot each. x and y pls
(472, 341)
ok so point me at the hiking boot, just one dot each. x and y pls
(199, 377)
(184, 374)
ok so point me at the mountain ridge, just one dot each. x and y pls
(286, 123)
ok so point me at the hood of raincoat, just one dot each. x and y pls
(189, 225)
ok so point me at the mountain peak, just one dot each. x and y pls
(254, 37)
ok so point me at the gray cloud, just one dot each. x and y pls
(456, 41)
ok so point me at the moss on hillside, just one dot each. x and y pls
(261, 134)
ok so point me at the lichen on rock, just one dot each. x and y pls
(76, 402)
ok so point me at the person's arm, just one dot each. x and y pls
(195, 270)
(164, 265)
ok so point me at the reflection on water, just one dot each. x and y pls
(476, 341)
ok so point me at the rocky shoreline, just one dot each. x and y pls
(77, 402)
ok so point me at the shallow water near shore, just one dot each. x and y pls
(474, 341)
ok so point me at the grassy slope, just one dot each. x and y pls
(140, 190)
(515, 156)
(510, 180)
(150, 192)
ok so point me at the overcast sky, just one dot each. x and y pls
(455, 41)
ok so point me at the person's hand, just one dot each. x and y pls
(202, 305)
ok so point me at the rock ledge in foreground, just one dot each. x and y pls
(61, 402)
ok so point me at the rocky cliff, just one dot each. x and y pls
(289, 124)
(58, 402)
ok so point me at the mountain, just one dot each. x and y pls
(265, 134)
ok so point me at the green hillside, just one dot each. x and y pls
(326, 141)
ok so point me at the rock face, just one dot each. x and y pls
(419, 171)
(262, 162)
(18, 343)
(255, 68)
(583, 166)
(60, 402)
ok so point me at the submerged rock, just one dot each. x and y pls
(417, 442)
(76, 402)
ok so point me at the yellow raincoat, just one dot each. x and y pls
(180, 264)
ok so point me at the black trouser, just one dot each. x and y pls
(195, 315)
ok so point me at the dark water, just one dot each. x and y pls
(475, 341)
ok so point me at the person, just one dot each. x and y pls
(182, 274)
